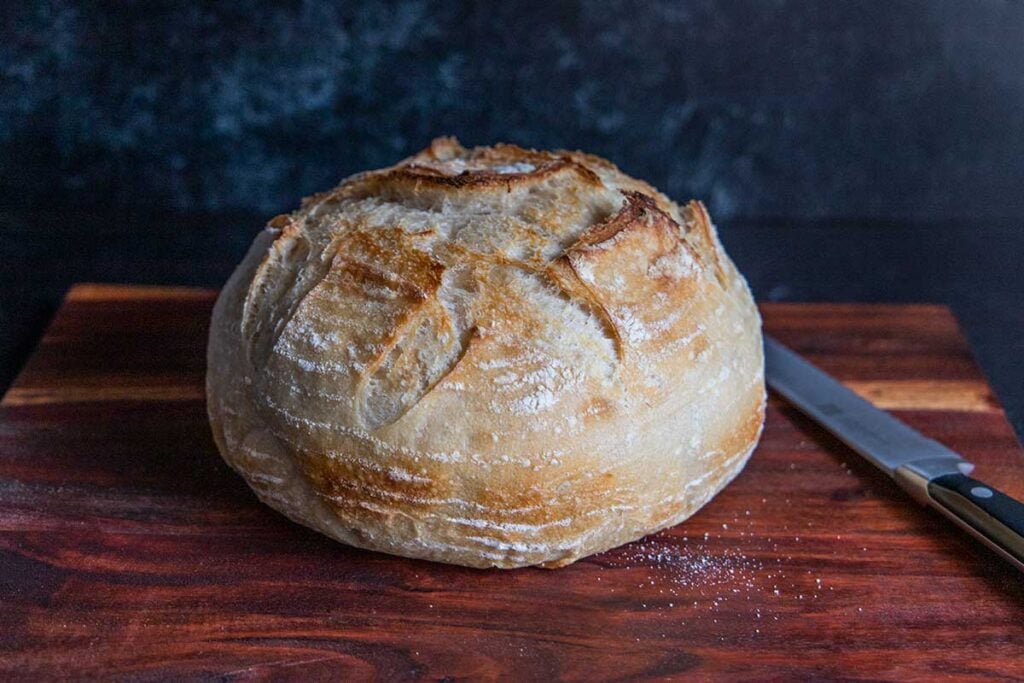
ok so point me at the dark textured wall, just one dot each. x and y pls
(870, 150)
(877, 109)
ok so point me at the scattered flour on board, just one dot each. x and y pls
(713, 577)
(693, 565)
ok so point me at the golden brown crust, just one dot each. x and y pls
(490, 356)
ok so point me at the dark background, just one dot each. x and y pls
(860, 151)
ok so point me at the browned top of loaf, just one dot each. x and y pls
(443, 250)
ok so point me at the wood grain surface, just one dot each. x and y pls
(128, 549)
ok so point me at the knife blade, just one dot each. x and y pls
(932, 473)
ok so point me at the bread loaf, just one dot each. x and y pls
(488, 357)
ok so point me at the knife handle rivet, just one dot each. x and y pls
(981, 492)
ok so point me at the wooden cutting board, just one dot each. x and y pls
(128, 548)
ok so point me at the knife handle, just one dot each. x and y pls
(986, 513)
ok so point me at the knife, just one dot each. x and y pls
(930, 472)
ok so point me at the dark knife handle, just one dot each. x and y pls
(993, 517)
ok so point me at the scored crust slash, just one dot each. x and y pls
(489, 357)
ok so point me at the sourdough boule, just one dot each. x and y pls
(488, 357)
